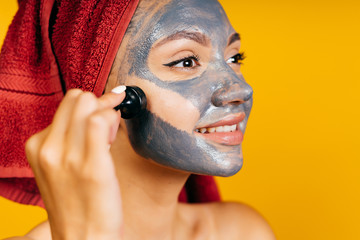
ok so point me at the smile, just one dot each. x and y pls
(226, 131)
(225, 128)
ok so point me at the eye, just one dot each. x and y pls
(236, 59)
(187, 62)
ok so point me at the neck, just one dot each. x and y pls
(149, 193)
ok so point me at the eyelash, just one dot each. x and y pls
(237, 59)
(194, 58)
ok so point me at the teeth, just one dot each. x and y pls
(219, 129)
(231, 128)
(211, 130)
(227, 128)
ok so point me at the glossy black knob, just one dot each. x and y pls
(133, 104)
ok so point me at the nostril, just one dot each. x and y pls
(234, 94)
(223, 102)
(237, 102)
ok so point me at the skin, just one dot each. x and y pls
(131, 191)
(194, 96)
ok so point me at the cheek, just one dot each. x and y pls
(168, 105)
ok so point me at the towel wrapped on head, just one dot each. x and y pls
(52, 46)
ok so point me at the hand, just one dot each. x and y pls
(74, 169)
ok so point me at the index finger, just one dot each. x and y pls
(112, 99)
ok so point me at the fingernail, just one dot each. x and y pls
(119, 89)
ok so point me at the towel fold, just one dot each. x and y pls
(52, 46)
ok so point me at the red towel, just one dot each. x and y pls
(51, 46)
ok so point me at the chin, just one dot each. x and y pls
(230, 172)
(224, 164)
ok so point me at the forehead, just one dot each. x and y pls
(205, 16)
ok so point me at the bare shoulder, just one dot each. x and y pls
(240, 221)
(225, 221)
(40, 232)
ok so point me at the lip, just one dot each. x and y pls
(225, 138)
(228, 120)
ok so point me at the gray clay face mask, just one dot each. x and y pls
(193, 37)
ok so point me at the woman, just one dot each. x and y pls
(99, 181)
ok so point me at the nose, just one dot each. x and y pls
(232, 93)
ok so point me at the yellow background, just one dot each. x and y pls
(302, 160)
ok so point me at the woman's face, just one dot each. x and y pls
(184, 54)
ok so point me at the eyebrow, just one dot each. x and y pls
(194, 36)
(233, 38)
